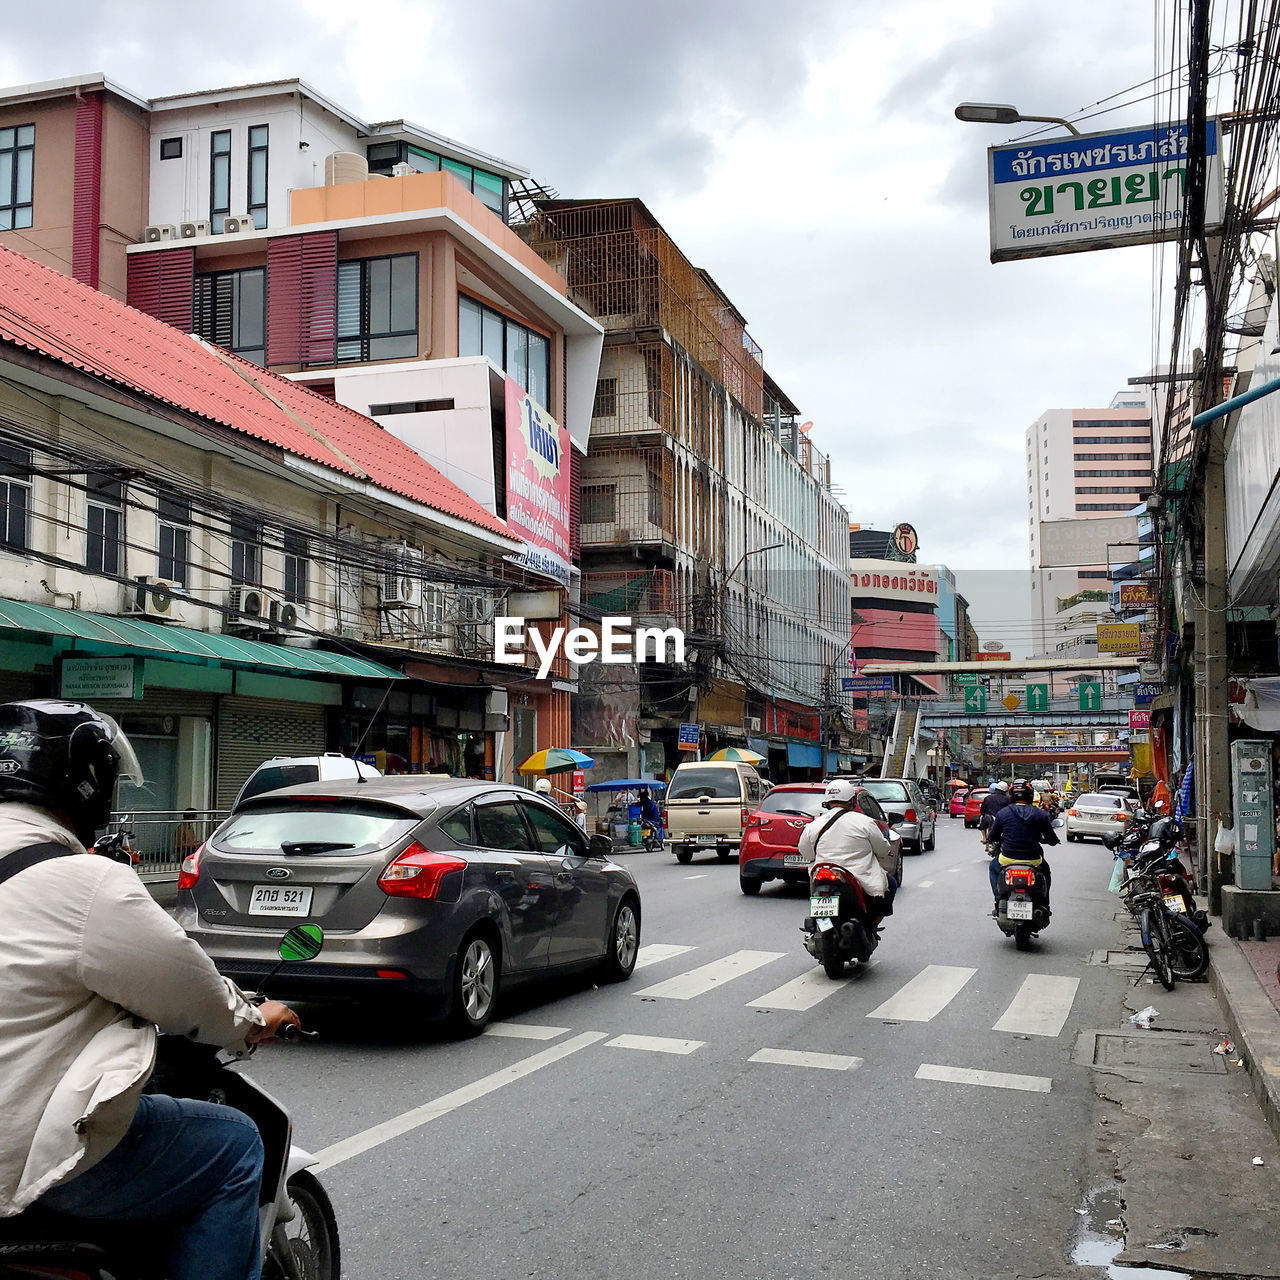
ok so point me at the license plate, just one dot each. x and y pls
(823, 907)
(1175, 903)
(276, 900)
(706, 839)
(1019, 909)
(793, 860)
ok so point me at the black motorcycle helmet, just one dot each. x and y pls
(66, 757)
(1166, 830)
(1021, 791)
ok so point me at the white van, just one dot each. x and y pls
(707, 805)
(289, 771)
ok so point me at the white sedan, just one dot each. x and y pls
(1097, 814)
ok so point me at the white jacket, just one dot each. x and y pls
(851, 840)
(90, 965)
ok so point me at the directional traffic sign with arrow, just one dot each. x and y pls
(975, 698)
(1090, 695)
(1038, 697)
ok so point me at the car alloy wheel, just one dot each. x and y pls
(476, 985)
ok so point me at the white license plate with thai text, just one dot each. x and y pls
(1020, 909)
(820, 907)
(706, 839)
(1175, 903)
(793, 860)
(277, 900)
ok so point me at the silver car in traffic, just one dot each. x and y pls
(1097, 813)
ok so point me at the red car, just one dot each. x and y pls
(973, 805)
(955, 807)
(771, 838)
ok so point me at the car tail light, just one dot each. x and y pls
(189, 869)
(1119, 817)
(1071, 813)
(827, 875)
(746, 815)
(1019, 875)
(417, 873)
(757, 820)
(665, 820)
(392, 973)
(909, 816)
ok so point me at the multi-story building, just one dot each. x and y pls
(372, 262)
(1082, 464)
(704, 504)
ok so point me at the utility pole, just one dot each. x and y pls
(1212, 712)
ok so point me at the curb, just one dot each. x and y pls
(1252, 1020)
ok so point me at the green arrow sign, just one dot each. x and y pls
(1090, 695)
(975, 698)
(1038, 697)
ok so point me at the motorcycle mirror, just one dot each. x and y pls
(1058, 822)
(302, 942)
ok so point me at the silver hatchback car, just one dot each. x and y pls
(435, 887)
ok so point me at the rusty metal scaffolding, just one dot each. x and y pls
(631, 275)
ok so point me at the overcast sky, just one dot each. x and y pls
(804, 152)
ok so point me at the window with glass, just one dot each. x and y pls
(15, 497)
(17, 176)
(230, 309)
(258, 175)
(170, 148)
(297, 566)
(104, 524)
(522, 352)
(219, 179)
(173, 538)
(246, 553)
(378, 308)
(489, 188)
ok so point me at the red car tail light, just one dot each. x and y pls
(757, 820)
(665, 820)
(189, 869)
(1019, 876)
(1071, 813)
(909, 816)
(1119, 817)
(746, 815)
(417, 873)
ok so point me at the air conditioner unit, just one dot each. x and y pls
(234, 223)
(402, 584)
(154, 597)
(160, 231)
(753, 724)
(293, 616)
(191, 230)
(401, 170)
(248, 607)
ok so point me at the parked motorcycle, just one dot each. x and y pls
(1022, 909)
(299, 1231)
(840, 928)
(118, 846)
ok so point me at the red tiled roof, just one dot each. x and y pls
(58, 317)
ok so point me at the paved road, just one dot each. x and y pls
(730, 1111)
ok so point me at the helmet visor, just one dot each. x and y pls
(122, 749)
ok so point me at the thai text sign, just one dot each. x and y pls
(88, 679)
(1145, 692)
(1137, 595)
(1005, 656)
(1095, 191)
(690, 735)
(538, 484)
(868, 684)
(1139, 721)
(890, 580)
(1119, 637)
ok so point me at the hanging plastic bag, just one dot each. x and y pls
(1119, 874)
(1225, 841)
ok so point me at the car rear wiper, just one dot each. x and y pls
(313, 846)
(800, 813)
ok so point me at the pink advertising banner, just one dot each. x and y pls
(538, 484)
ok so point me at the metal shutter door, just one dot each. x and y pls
(251, 730)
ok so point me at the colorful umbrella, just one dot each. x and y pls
(740, 755)
(955, 782)
(556, 760)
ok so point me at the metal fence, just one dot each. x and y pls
(163, 837)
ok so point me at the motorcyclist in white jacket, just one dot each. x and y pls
(847, 837)
(90, 967)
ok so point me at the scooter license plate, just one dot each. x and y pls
(1019, 909)
(276, 900)
(1175, 903)
(820, 907)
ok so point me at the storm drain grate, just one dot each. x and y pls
(1156, 1051)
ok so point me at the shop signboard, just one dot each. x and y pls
(868, 684)
(690, 737)
(1119, 637)
(1096, 190)
(994, 657)
(1139, 721)
(537, 484)
(88, 679)
(1137, 595)
(1145, 692)
(579, 781)
(893, 580)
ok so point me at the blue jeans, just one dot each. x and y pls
(190, 1168)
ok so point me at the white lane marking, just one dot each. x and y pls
(952, 870)
(800, 993)
(656, 952)
(703, 876)
(984, 858)
(697, 982)
(523, 1031)
(794, 1058)
(415, 1118)
(926, 995)
(1041, 1007)
(925, 884)
(654, 1044)
(990, 1079)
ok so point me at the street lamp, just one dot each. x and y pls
(1003, 113)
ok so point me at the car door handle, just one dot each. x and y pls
(504, 876)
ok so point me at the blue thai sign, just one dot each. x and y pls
(690, 737)
(1096, 191)
(867, 684)
(1145, 692)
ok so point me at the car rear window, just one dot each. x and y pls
(887, 789)
(1095, 800)
(808, 803)
(333, 828)
(273, 777)
(719, 784)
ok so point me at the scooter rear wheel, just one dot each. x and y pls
(832, 964)
(1022, 937)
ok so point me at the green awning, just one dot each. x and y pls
(91, 632)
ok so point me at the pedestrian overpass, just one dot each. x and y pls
(1061, 714)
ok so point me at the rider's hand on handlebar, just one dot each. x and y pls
(278, 1016)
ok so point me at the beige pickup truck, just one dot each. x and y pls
(707, 806)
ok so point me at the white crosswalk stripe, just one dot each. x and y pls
(656, 952)
(654, 1044)
(796, 1058)
(989, 1079)
(1041, 1007)
(925, 884)
(800, 993)
(523, 1031)
(926, 995)
(697, 982)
